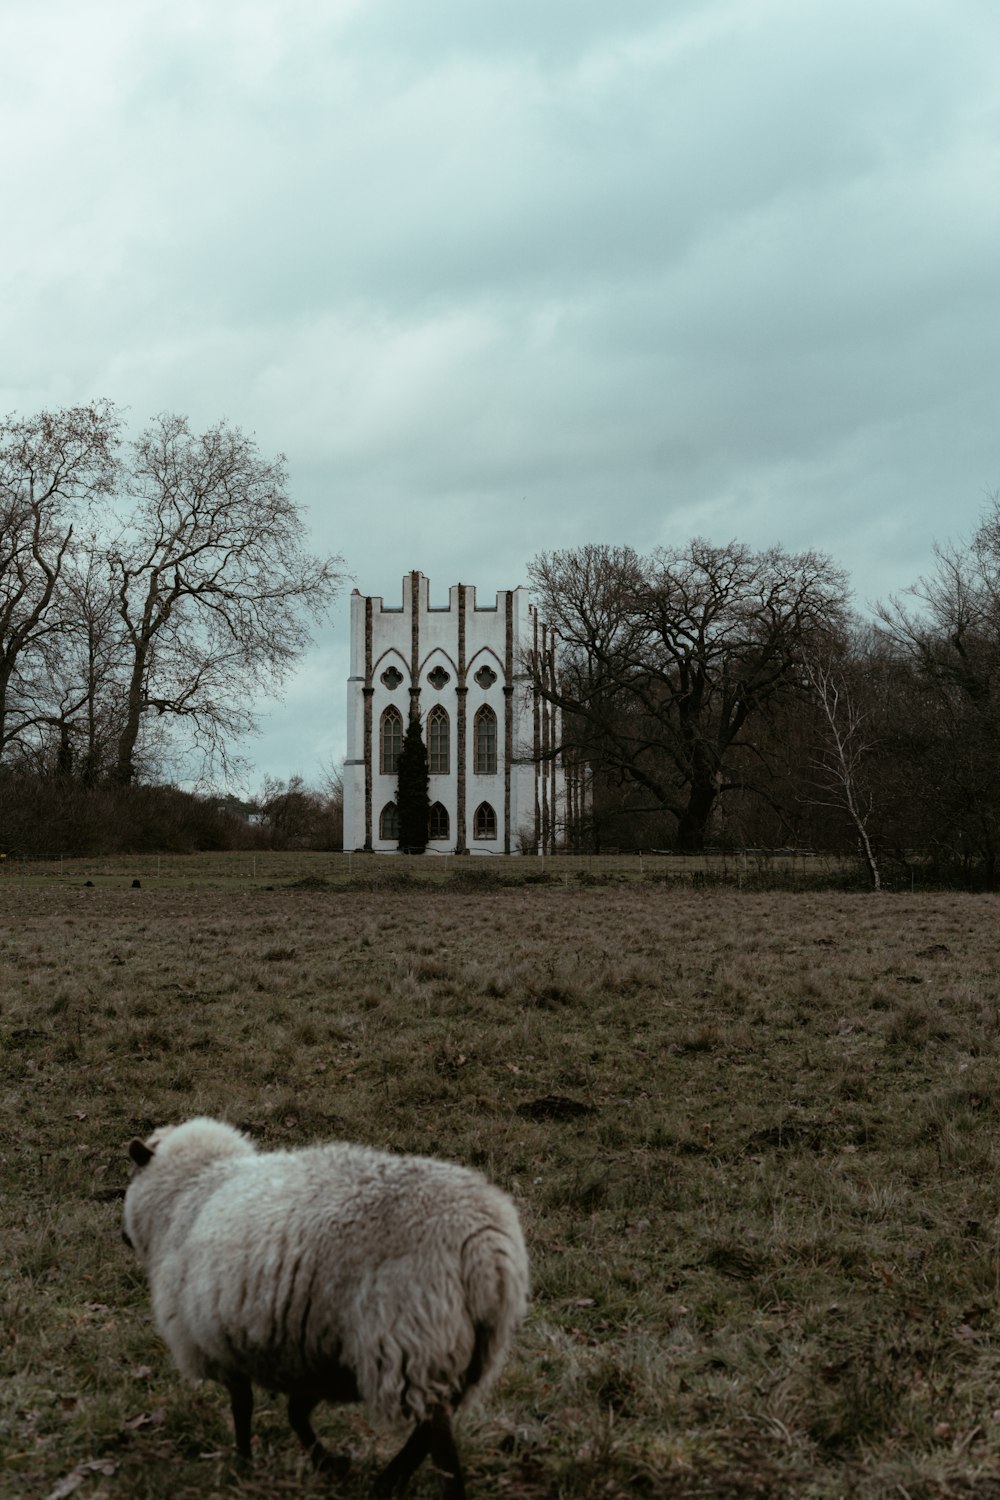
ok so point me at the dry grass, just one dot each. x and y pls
(259, 868)
(754, 1139)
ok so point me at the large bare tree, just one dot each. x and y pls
(53, 468)
(665, 661)
(84, 686)
(212, 583)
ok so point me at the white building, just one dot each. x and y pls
(496, 783)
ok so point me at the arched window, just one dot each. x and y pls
(440, 824)
(391, 741)
(388, 823)
(484, 759)
(438, 735)
(484, 823)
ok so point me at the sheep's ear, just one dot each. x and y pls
(139, 1152)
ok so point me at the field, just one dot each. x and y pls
(753, 1136)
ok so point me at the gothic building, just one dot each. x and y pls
(465, 670)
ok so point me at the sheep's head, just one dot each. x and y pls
(165, 1163)
(141, 1154)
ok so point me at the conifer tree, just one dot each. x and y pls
(412, 795)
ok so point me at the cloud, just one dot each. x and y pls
(505, 278)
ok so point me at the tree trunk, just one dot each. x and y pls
(871, 864)
(692, 826)
(125, 761)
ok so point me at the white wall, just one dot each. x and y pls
(438, 646)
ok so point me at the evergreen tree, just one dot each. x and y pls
(412, 795)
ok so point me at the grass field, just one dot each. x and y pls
(247, 868)
(753, 1137)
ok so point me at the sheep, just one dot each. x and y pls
(332, 1273)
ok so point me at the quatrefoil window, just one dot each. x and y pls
(486, 677)
(392, 678)
(438, 678)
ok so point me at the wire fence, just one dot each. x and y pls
(749, 869)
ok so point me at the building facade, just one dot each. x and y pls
(466, 670)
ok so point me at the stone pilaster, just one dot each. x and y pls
(461, 733)
(508, 714)
(414, 645)
(368, 692)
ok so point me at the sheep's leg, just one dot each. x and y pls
(432, 1437)
(299, 1410)
(241, 1400)
(412, 1454)
(444, 1456)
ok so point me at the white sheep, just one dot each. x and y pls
(333, 1273)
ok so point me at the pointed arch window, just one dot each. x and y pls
(390, 741)
(484, 756)
(438, 742)
(440, 823)
(484, 822)
(388, 823)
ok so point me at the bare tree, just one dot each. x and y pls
(665, 661)
(211, 582)
(840, 765)
(951, 634)
(53, 468)
(84, 678)
(299, 816)
(952, 630)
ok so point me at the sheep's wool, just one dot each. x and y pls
(284, 1266)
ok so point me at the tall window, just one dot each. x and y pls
(440, 825)
(484, 760)
(388, 823)
(391, 737)
(438, 734)
(484, 823)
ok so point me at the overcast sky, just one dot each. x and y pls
(501, 276)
